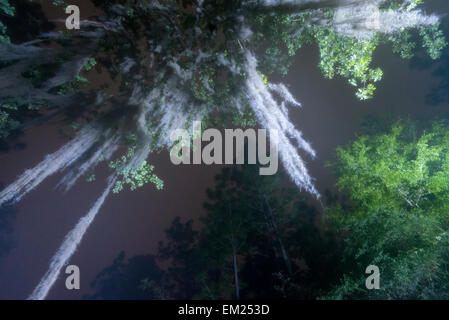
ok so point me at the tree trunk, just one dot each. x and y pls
(236, 274)
(284, 253)
(234, 257)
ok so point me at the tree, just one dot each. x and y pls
(177, 65)
(180, 252)
(406, 168)
(397, 217)
(263, 238)
(225, 236)
(137, 278)
(7, 9)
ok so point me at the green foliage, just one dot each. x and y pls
(401, 4)
(90, 64)
(402, 44)
(343, 56)
(273, 31)
(399, 169)
(398, 184)
(73, 86)
(10, 112)
(244, 118)
(433, 40)
(135, 178)
(203, 85)
(349, 58)
(7, 123)
(410, 249)
(60, 3)
(7, 9)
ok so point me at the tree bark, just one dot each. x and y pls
(284, 253)
(234, 257)
(236, 274)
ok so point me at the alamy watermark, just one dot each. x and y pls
(188, 147)
(373, 281)
(72, 282)
(73, 20)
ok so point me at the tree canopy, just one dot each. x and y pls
(180, 61)
(397, 214)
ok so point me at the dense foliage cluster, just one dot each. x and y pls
(397, 218)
